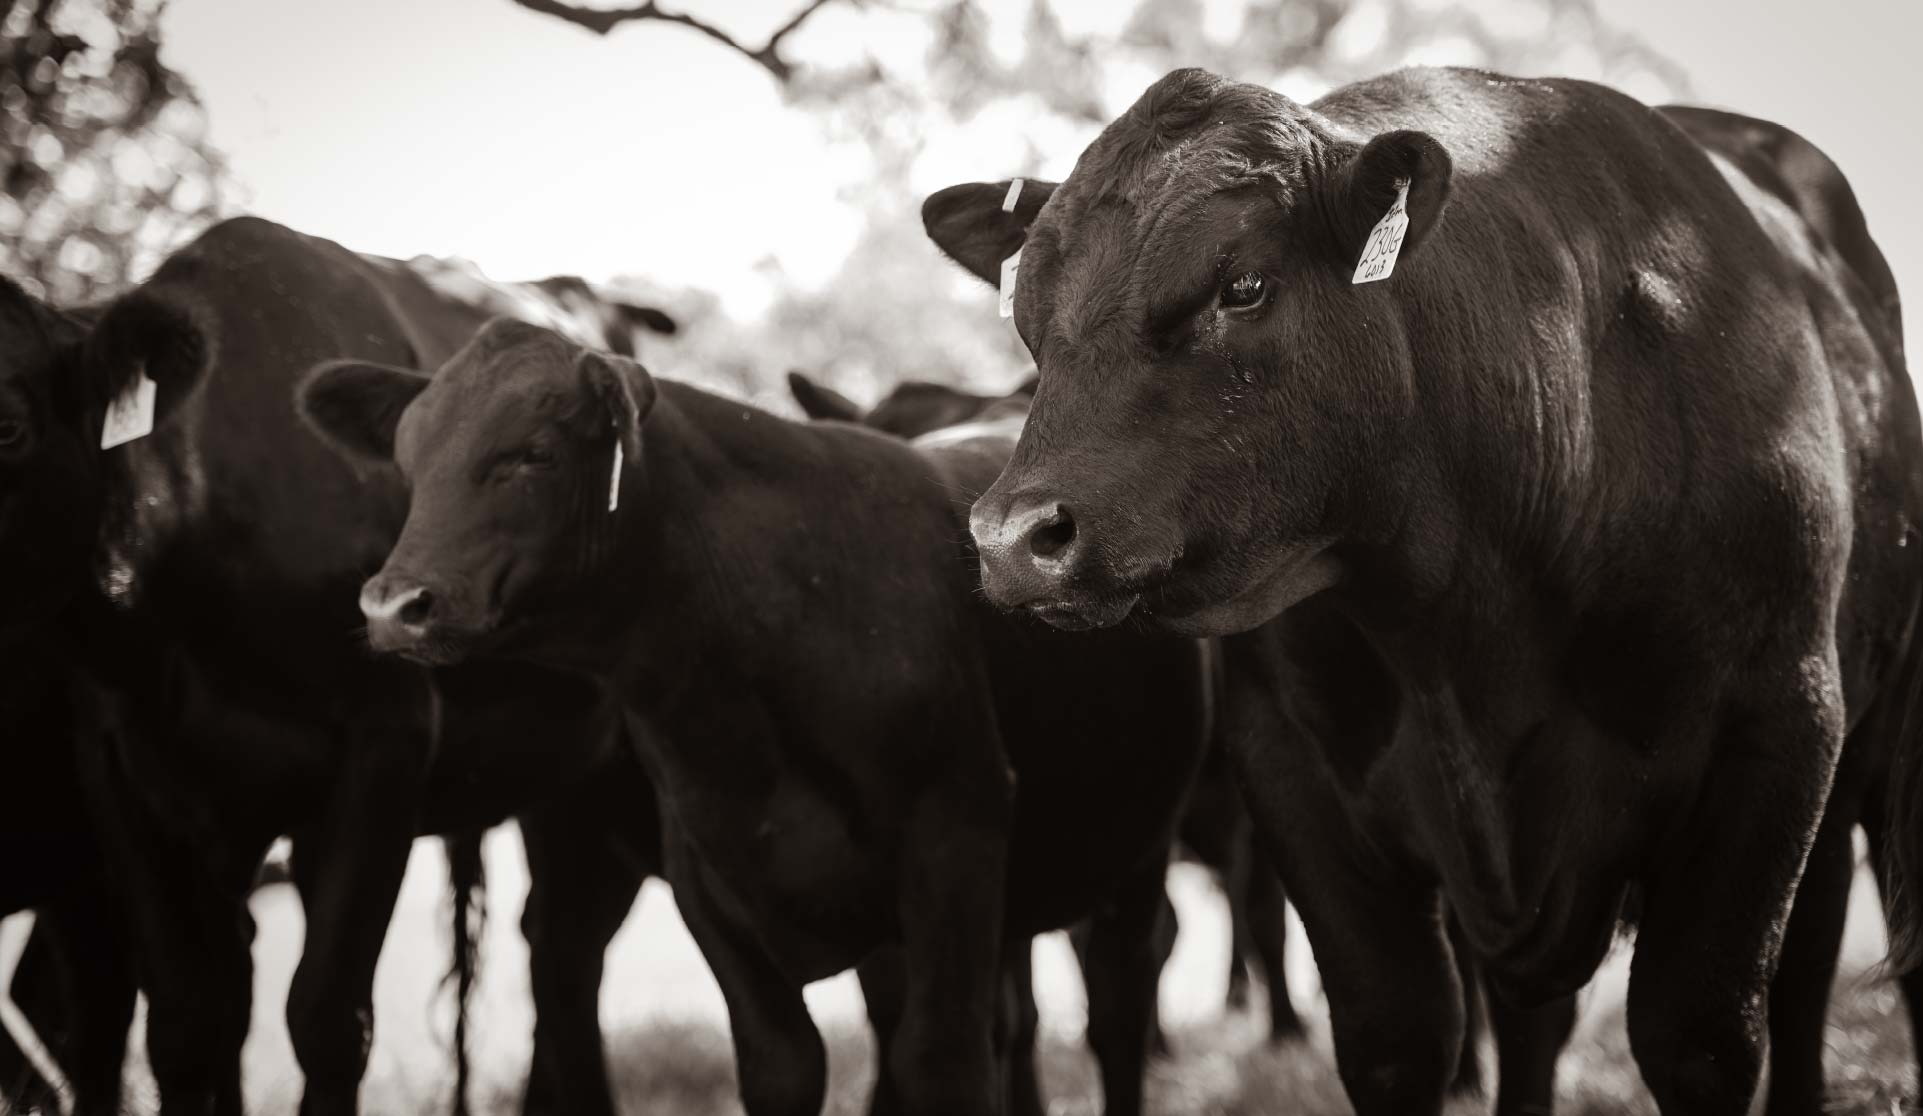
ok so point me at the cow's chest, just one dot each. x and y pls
(1533, 834)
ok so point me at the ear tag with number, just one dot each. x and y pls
(1385, 240)
(1010, 266)
(131, 414)
(614, 482)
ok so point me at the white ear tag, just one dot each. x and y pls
(614, 482)
(130, 415)
(1010, 266)
(1014, 195)
(1385, 240)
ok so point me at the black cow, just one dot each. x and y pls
(1577, 537)
(854, 754)
(1215, 827)
(210, 571)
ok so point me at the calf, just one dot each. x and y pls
(209, 572)
(853, 753)
(1562, 478)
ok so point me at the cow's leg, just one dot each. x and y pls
(183, 885)
(1238, 875)
(348, 866)
(588, 855)
(1910, 983)
(100, 988)
(1528, 1043)
(1716, 900)
(1124, 973)
(1468, 1079)
(1395, 1001)
(779, 1059)
(37, 990)
(949, 905)
(1016, 1036)
(1268, 931)
(1800, 995)
(884, 981)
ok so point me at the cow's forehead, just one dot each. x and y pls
(510, 371)
(1190, 133)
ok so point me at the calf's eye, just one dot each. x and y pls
(1243, 291)
(12, 433)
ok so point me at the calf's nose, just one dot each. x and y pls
(1027, 548)
(398, 611)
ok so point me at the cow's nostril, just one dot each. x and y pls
(415, 609)
(1052, 535)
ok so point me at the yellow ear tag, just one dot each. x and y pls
(614, 482)
(1010, 266)
(1014, 195)
(130, 415)
(1385, 241)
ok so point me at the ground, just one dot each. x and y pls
(671, 1052)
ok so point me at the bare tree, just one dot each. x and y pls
(603, 20)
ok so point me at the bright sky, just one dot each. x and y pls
(478, 129)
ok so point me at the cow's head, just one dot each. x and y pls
(1217, 400)
(58, 373)
(515, 455)
(913, 408)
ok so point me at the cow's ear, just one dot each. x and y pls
(624, 394)
(143, 334)
(1367, 186)
(969, 224)
(647, 317)
(819, 402)
(356, 406)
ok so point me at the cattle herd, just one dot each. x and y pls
(1487, 507)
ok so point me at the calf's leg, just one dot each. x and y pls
(1124, 968)
(779, 1059)
(588, 854)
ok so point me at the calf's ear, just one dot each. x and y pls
(1367, 186)
(969, 224)
(144, 334)
(356, 406)
(819, 402)
(623, 391)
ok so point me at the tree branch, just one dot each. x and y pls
(603, 20)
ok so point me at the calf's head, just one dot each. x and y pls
(514, 454)
(1217, 397)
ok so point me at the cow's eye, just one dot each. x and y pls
(1244, 291)
(12, 433)
(537, 457)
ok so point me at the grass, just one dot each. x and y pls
(1223, 1069)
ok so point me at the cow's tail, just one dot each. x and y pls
(467, 881)
(1902, 881)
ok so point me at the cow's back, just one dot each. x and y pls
(1666, 352)
(1799, 173)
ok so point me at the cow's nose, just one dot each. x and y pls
(1027, 549)
(398, 610)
